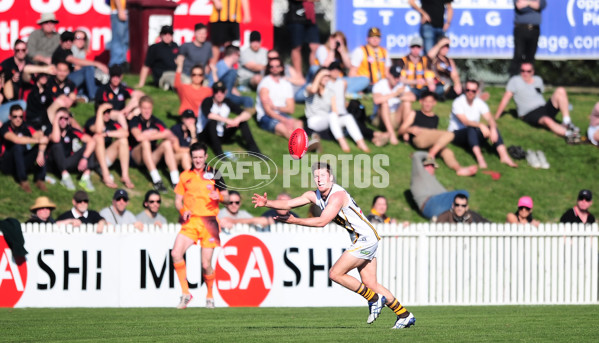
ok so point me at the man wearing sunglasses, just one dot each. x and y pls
(81, 214)
(233, 214)
(11, 68)
(460, 212)
(580, 212)
(527, 90)
(150, 215)
(117, 213)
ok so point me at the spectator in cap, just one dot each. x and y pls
(160, 58)
(119, 25)
(184, 136)
(150, 215)
(370, 61)
(253, 61)
(227, 74)
(197, 52)
(435, 20)
(112, 143)
(416, 69)
(191, 95)
(43, 41)
(117, 213)
(523, 214)
(447, 79)
(82, 70)
(392, 100)
(580, 212)
(216, 125)
(429, 195)
(81, 214)
(124, 99)
(302, 27)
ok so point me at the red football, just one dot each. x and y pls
(298, 143)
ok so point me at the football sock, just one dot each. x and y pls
(399, 310)
(155, 176)
(182, 275)
(209, 284)
(367, 293)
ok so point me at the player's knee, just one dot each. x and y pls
(334, 275)
(176, 255)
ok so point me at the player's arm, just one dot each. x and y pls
(263, 201)
(328, 214)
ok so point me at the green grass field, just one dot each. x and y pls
(553, 190)
(434, 324)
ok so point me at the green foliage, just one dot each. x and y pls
(553, 190)
(433, 324)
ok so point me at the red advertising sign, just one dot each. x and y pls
(18, 19)
(13, 276)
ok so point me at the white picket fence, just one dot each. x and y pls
(441, 264)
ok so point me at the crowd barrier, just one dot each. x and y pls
(422, 264)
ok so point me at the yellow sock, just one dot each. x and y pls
(366, 292)
(209, 284)
(399, 310)
(182, 275)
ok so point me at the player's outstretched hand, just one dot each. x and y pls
(259, 200)
(288, 218)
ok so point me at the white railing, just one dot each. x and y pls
(441, 264)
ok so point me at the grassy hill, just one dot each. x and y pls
(553, 190)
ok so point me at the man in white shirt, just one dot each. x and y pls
(117, 213)
(275, 102)
(391, 99)
(464, 122)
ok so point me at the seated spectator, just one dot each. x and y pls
(252, 61)
(80, 50)
(22, 150)
(150, 215)
(111, 143)
(527, 90)
(41, 213)
(43, 41)
(234, 215)
(593, 130)
(227, 74)
(146, 130)
(580, 212)
(14, 86)
(214, 122)
(378, 212)
(185, 136)
(447, 79)
(460, 212)
(275, 103)
(370, 61)
(85, 75)
(81, 214)
(523, 214)
(60, 84)
(271, 213)
(322, 114)
(160, 58)
(117, 213)
(469, 132)
(392, 100)
(71, 151)
(197, 52)
(339, 86)
(40, 97)
(430, 196)
(416, 70)
(117, 94)
(420, 128)
(191, 95)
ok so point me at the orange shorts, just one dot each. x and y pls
(204, 229)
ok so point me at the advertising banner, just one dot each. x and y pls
(479, 29)
(136, 270)
(18, 19)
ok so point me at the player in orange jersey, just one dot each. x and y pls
(197, 196)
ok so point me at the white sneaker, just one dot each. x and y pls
(532, 159)
(87, 185)
(406, 322)
(542, 159)
(185, 299)
(209, 303)
(375, 309)
(67, 182)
